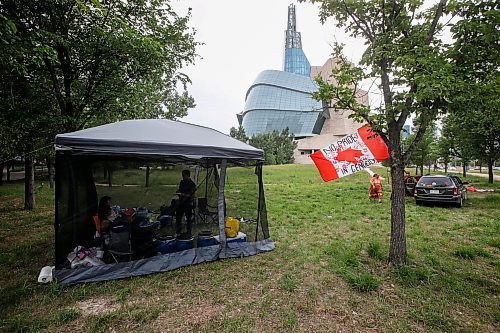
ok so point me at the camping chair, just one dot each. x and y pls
(204, 214)
(120, 244)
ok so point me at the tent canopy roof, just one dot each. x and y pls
(157, 137)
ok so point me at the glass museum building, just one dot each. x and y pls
(280, 99)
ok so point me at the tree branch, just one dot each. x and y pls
(366, 29)
(55, 84)
(416, 141)
(437, 16)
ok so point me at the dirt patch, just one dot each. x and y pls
(97, 306)
(204, 312)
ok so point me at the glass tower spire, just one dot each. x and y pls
(295, 60)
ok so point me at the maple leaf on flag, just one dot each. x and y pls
(349, 155)
(368, 144)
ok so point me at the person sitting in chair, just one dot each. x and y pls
(184, 206)
(105, 214)
(104, 206)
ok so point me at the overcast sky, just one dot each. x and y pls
(241, 39)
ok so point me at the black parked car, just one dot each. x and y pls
(440, 188)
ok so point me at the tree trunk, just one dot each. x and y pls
(422, 169)
(147, 176)
(416, 170)
(397, 253)
(490, 171)
(429, 168)
(29, 183)
(397, 250)
(50, 168)
(109, 178)
(446, 168)
(481, 168)
(464, 169)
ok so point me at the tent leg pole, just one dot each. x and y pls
(222, 226)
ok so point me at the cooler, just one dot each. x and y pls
(206, 241)
(241, 237)
(168, 246)
(184, 244)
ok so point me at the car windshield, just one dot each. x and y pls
(435, 181)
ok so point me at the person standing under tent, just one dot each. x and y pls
(376, 188)
(184, 205)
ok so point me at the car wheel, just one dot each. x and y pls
(460, 203)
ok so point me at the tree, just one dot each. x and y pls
(406, 60)
(476, 103)
(424, 153)
(285, 145)
(278, 147)
(238, 134)
(106, 60)
(457, 139)
(444, 147)
(71, 64)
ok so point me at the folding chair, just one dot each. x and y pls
(120, 244)
(204, 214)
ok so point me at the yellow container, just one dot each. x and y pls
(232, 227)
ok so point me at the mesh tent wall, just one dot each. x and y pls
(124, 146)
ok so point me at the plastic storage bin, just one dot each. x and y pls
(241, 237)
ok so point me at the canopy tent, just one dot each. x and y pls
(127, 144)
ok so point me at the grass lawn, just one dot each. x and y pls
(329, 272)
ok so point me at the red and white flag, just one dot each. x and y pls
(353, 153)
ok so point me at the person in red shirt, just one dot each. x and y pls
(407, 176)
(376, 188)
